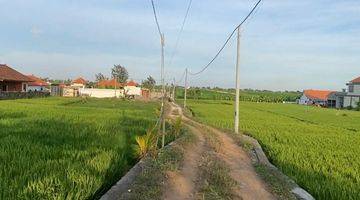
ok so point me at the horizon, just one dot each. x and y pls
(299, 45)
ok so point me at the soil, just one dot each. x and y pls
(182, 184)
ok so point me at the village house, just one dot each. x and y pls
(109, 84)
(79, 83)
(350, 98)
(38, 85)
(132, 89)
(12, 80)
(333, 99)
(112, 88)
(318, 97)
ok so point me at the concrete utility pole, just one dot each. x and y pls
(237, 99)
(114, 86)
(163, 89)
(173, 92)
(186, 75)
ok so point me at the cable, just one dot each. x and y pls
(226, 42)
(182, 77)
(156, 18)
(180, 32)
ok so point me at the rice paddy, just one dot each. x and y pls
(318, 148)
(58, 148)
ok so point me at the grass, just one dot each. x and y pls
(245, 95)
(59, 148)
(316, 147)
(216, 182)
(277, 183)
(150, 183)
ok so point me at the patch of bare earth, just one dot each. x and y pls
(182, 184)
(251, 186)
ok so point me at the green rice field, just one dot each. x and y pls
(57, 148)
(319, 148)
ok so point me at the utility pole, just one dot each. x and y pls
(115, 86)
(237, 98)
(163, 89)
(186, 76)
(173, 92)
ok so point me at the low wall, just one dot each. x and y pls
(101, 93)
(23, 95)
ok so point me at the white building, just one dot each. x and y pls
(132, 89)
(78, 83)
(352, 97)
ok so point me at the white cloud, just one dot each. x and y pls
(35, 31)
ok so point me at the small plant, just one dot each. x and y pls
(176, 129)
(145, 144)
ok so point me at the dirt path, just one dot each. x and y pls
(251, 186)
(182, 183)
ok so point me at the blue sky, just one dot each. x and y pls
(286, 45)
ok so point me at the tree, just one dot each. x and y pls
(120, 73)
(149, 83)
(100, 77)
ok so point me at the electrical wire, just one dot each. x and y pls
(226, 42)
(182, 77)
(180, 32)
(156, 18)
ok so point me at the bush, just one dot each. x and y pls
(146, 144)
(176, 126)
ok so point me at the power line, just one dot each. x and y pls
(182, 77)
(227, 41)
(156, 18)
(180, 32)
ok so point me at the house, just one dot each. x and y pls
(79, 83)
(351, 98)
(109, 84)
(129, 89)
(12, 80)
(324, 98)
(56, 89)
(132, 89)
(332, 99)
(38, 85)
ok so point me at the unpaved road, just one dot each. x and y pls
(182, 184)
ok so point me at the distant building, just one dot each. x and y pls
(129, 89)
(57, 89)
(132, 89)
(318, 97)
(352, 97)
(332, 99)
(38, 85)
(109, 84)
(79, 83)
(12, 80)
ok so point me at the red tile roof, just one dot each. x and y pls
(9, 74)
(79, 81)
(131, 83)
(318, 94)
(37, 81)
(109, 83)
(357, 80)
